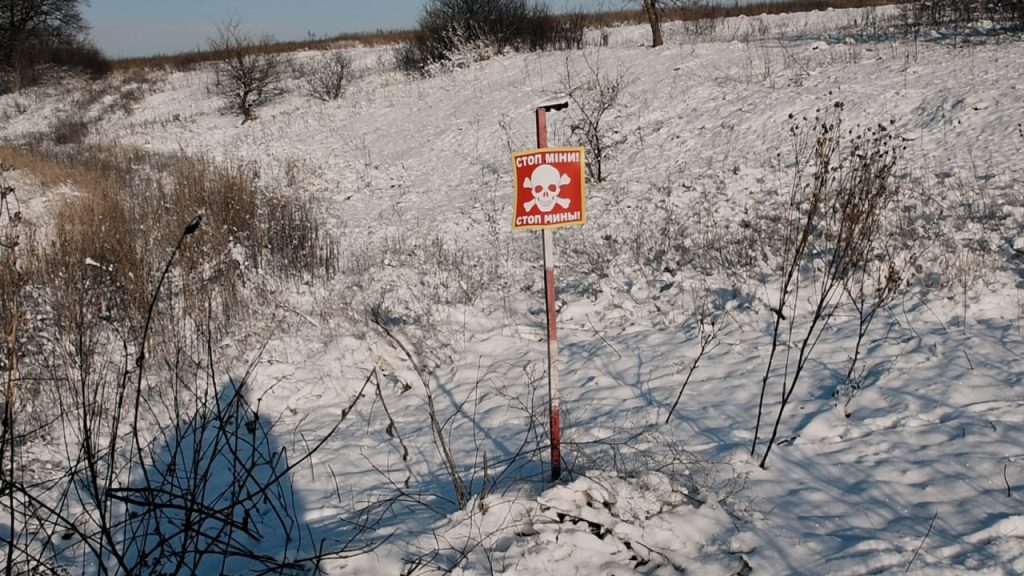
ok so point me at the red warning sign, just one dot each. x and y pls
(550, 188)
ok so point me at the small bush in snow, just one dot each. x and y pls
(328, 76)
(456, 32)
(70, 128)
(595, 96)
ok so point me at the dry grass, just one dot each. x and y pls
(93, 263)
(111, 238)
(49, 174)
(82, 290)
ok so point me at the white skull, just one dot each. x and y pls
(545, 184)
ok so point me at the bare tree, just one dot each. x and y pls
(32, 20)
(250, 71)
(653, 10)
(29, 27)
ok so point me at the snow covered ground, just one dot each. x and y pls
(921, 469)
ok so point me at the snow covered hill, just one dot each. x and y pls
(914, 467)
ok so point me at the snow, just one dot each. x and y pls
(923, 469)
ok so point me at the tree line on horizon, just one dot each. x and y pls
(38, 35)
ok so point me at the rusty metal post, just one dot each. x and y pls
(548, 238)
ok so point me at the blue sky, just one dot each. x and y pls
(142, 27)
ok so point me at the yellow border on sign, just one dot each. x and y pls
(583, 189)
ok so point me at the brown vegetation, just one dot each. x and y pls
(128, 207)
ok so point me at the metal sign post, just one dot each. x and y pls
(550, 193)
(548, 239)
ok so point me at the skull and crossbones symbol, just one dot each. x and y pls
(545, 184)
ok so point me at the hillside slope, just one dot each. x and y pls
(916, 465)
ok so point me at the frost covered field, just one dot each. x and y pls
(911, 461)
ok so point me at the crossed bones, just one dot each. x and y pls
(545, 184)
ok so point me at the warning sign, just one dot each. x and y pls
(549, 188)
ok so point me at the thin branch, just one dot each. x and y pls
(914, 557)
(440, 441)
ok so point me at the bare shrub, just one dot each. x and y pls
(595, 96)
(460, 48)
(414, 57)
(80, 56)
(940, 12)
(329, 76)
(70, 128)
(567, 31)
(646, 452)
(454, 32)
(14, 280)
(250, 75)
(132, 90)
(707, 323)
(441, 439)
(869, 291)
(834, 231)
(961, 15)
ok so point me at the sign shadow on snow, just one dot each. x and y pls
(218, 498)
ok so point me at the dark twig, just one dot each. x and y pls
(140, 360)
(603, 339)
(1006, 480)
(707, 342)
(926, 534)
(392, 429)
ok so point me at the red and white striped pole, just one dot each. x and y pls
(548, 236)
